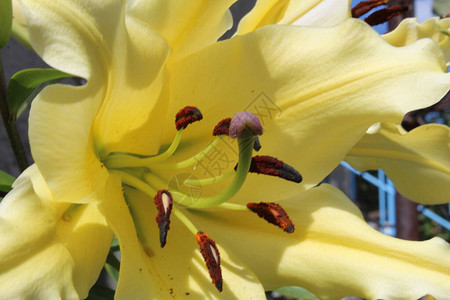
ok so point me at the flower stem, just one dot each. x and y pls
(10, 126)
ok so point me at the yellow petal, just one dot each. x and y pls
(82, 41)
(60, 137)
(283, 74)
(333, 252)
(418, 162)
(178, 270)
(299, 12)
(44, 253)
(134, 106)
(118, 109)
(409, 31)
(187, 25)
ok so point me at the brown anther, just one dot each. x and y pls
(222, 128)
(163, 201)
(274, 214)
(384, 15)
(186, 116)
(211, 255)
(268, 165)
(365, 6)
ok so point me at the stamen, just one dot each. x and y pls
(271, 166)
(190, 161)
(136, 183)
(222, 128)
(245, 123)
(365, 6)
(123, 160)
(163, 201)
(210, 180)
(211, 255)
(274, 214)
(186, 116)
(233, 206)
(384, 15)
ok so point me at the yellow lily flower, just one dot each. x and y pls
(409, 31)
(104, 150)
(418, 162)
(310, 13)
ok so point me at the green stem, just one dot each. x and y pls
(211, 180)
(245, 159)
(233, 206)
(136, 183)
(11, 128)
(185, 220)
(190, 161)
(123, 160)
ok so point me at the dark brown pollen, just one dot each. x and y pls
(163, 201)
(211, 255)
(186, 116)
(384, 15)
(274, 214)
(268, 165)
(222, 128)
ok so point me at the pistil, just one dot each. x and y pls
(141, 173)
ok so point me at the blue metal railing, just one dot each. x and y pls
(386, 200)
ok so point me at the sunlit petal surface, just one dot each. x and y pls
(333, 252)
(418, 162)
(298, 12)
(149, 272)
(316, 91)
(44, 253)
(409, 31)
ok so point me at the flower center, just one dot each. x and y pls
(144, 173)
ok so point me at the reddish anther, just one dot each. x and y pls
(384, 15)
(365, 6)
(186, 116)
(222, 128)
(274, 214)
(211, 255)
(268, 165)
(163, 201)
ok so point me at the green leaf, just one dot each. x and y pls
(99, 292)
(5, 22)
(114, 273)
(295, 292)
(26, 84)
(441, 7)
(6, 181)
